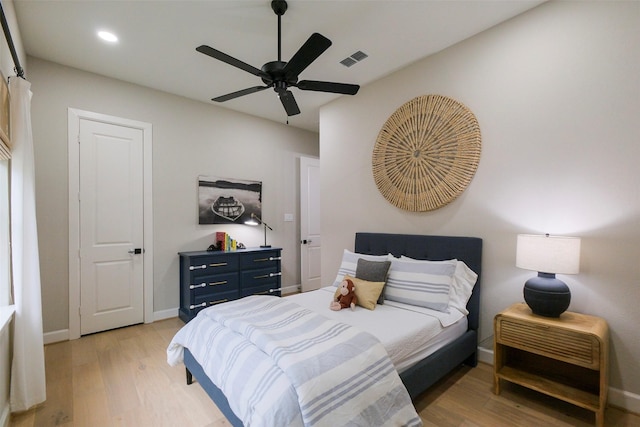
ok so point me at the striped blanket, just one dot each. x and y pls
(281, 364)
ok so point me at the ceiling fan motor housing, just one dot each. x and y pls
(275, 70)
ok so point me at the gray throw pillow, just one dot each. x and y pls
(373, 271)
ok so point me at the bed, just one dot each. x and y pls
(420, 375)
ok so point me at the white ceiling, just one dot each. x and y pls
(157, 41)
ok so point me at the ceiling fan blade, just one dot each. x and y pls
(343, 88)
(239, 93)
(221, 56)
(309, 52)
(289, 103)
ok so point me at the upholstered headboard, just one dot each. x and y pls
(435, 248)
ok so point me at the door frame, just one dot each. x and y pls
(74, 116)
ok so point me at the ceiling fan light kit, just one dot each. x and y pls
(281, 75)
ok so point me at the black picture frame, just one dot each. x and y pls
(228, 201)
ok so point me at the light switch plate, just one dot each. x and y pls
(288, 217)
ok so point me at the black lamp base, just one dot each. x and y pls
(265, 246)
(546, 295)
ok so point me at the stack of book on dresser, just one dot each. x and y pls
(224, 242)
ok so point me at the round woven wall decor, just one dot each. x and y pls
(427, 153)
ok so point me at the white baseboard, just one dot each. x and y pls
(63, 334)
(485, 355)
(293, 289)
(625, 400)
(165, 314)
(622, 399)
(55, 336)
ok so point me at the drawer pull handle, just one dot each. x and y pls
(217, 301)
(191, 307)
(224, 282)
(218, 264)
(199, 285)
(271, 258)
(197, 267)
(264, 276)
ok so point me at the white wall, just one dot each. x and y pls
(189, 139)
(557, 94)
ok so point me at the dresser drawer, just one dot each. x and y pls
(218, 283)
(251, 278)
(215, 298)
(557, 343)
(267, 288)
(260, 260)
(207, 266)
(207, 300)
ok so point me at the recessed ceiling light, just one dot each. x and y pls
(107, 36)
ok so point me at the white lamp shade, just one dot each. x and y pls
(548, 254)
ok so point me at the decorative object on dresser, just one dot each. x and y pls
(209, 278)
(545, 294)
(228, 201)
(256, 220)
(426, 153)
(565, 357)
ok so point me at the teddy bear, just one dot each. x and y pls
(346, 296)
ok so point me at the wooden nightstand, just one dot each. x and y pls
(565, 357)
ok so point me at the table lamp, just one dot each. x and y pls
(256, 220)
(548, 255)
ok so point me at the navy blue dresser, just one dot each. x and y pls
(209, 278)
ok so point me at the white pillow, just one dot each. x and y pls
(350, 264)
(425, 283)
(464, 279)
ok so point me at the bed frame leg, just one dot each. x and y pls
(472, 360)
(189, 376)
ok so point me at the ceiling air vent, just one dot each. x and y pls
(348, 62)
(353, 59)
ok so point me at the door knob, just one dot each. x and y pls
(136, 251)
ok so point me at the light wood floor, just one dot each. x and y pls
(121, 378)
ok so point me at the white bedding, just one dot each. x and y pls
(408, 333)
(281, 364)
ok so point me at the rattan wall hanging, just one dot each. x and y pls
(427, 153)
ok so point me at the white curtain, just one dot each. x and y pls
(28, 386)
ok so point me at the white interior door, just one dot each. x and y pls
(310, 237)
(111, 226)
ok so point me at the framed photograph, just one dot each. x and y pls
(228, 201)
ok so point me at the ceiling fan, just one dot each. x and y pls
(281, 75)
